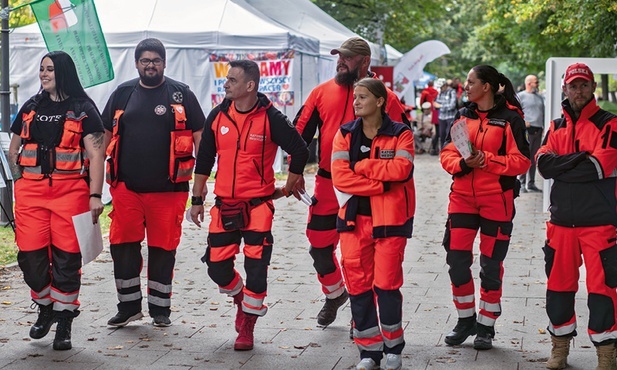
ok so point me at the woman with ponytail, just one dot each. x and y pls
(482, 198)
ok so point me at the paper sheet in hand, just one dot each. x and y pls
(89, 236)
(459, 133)
(341, 197)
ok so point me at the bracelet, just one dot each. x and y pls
(96, 195)
(197, 201)
(285, 192)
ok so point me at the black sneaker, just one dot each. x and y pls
(123, 318)
(484, 339)
(463, 329)
(328, 312)
(161, 321)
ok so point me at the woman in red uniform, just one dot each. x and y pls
(482, 198)
(372, 168)
(56, 157)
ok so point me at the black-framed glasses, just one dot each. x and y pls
(156, 61)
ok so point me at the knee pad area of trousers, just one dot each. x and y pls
(323, 259)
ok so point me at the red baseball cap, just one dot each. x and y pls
(578, 70)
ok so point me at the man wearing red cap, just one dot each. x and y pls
(328, 107)
(580, 155)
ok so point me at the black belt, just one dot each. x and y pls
(323, 173)
(254, 202)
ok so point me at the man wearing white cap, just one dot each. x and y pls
(580, 155)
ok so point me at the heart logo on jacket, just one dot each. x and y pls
(224, 130)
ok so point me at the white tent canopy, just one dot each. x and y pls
(307, 18)
(191, 30)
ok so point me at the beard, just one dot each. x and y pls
(147, 80)
(347, 78)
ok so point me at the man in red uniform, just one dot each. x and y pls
(328, 107)
(243, 133)
(580, 155)
(152, 125)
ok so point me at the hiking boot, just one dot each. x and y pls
(161, 321)
(463, 329)
(559, 353)
(484, 339)
(244, 342)
(43, 322)
(239, 314)
(367, 364)
(62, 341)
(123, 318)
(328, 312)
(606, 357)
(393, 362)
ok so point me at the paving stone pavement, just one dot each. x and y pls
(288, 337)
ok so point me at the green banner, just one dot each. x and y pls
(73, 27)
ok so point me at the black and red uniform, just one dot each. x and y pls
(245, 145)
(483, 199)
(580, 155)
(373, 232)
(329, 106)
(53, 189)
(149, 127)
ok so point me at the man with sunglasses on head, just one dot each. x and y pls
(328, 107)
(153, 125)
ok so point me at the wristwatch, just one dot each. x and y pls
(197, 201)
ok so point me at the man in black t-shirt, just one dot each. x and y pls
(152, 126)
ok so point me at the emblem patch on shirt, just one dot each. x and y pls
(365, 149)
(386, 154)
(224, 130)
(159, 110)
(177, 97)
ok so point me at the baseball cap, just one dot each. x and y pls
(353, 46)
(578, 70)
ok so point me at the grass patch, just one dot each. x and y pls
(8, 248)
(608, 105)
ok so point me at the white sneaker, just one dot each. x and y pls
(393, 362)
(367, 364)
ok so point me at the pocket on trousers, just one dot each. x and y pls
(609, 264)
(549, 257)
(355, 276)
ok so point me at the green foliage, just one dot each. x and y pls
(515, 36)
(21, 16)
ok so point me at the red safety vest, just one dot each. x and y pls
(181, 160)
(69, 158)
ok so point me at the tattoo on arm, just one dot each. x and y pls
(97, 139)
(16, 170)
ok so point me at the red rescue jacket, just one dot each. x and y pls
(386, 177)
(501, 136)
(328, 107)
(580, 155)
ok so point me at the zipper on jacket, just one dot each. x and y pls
(246, 138)
(233, 181)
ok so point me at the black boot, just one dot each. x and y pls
(484, 339)
(463, 329)
(44, 322)
(62, 341)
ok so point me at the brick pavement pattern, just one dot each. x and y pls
(202, 332)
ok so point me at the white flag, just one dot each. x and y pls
(410, 67)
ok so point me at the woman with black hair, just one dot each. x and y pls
(56, 156)
(482, 198)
